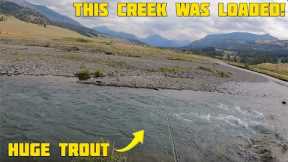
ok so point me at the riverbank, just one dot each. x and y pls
(122, 64)
(277, 71)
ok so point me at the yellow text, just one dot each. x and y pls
(84, 149)
(86, 9)
(193, 9)
(29, 149)
(251, 9)
(141, 9)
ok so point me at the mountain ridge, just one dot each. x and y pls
(230, 40)
(28, 12)
(120, 35)
(242, 46)
(152, 40)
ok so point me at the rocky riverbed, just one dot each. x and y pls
(46, 58)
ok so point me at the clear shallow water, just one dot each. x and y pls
(205, 126)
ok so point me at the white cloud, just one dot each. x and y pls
(173, 27)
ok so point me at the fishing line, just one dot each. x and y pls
(170, 129)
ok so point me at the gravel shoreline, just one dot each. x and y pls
(35, 59)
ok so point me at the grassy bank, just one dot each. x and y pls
(279, 71)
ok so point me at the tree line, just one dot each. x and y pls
(245, 57)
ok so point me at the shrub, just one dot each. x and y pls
(83, 74)
(98, 73)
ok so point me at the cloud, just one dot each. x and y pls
(173, 27)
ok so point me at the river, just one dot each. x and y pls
(199, 126)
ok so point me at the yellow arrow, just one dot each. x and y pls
(138, 138)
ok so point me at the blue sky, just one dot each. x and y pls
(173, 27)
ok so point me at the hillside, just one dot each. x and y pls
(15, 28)
(63, 21)
(37, 14)
(54, 16)
(22, 13)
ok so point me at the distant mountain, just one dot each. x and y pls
(120, 35)
(28, 12)
(153, 40)
(158, 41)
(250, 48)
(232, 41)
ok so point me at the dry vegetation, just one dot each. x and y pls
(276, 70)
(14, 28)
(279, 71)
(33, 49)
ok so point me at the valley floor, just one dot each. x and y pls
(123, 65)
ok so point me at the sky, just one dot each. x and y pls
(176, 28)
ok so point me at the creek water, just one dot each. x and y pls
(198, 126)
